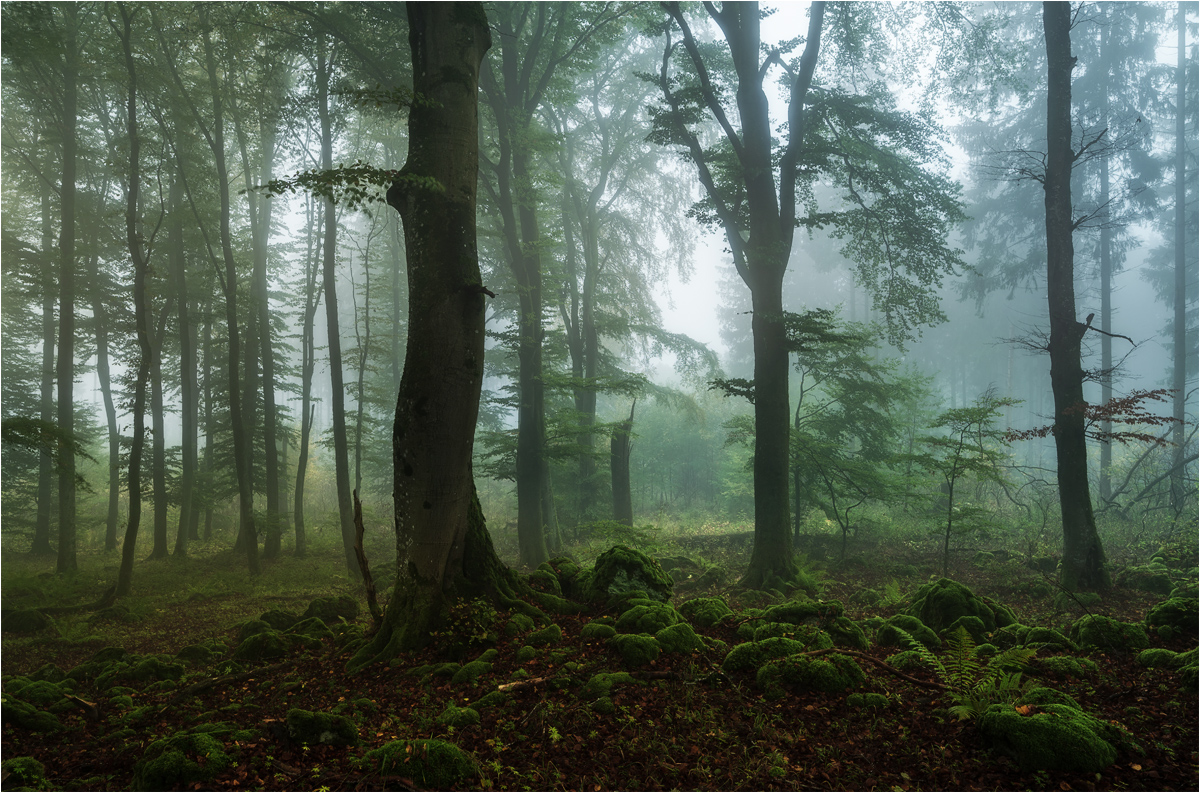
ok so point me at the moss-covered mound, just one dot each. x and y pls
(332, 610)
(941, 603)
(829, 673)
(752, 655)
(890, 636)
(679, 638)
(621, 571)
(307, 727)
(636, 649)
(24, 773)
(704, 612)
(1095, 631)
(1153, 577)
(1174, 617)
(25, 621)
(649, 618)
(1052, 737)
(26, 716)
(828, 615)
(186, 759)
(431, 764)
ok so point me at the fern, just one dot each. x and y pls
(972, 685)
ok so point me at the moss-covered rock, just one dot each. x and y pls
(544, 579)
(25, 716)
(829, 673)
(636, 649)
(907, 661)
(551, 634)
(469, 672)
(493, 699)
(1041, 695)
(1174, 617)
(278, 619)
(601, 684)
(431, 764)
(252, 628)
(1189, 670)
(527, 654)
(24, 773)
(868, 701)
(1010, 636)
(1159, 658)
(261, 646)
(195, 654)
(1049, 639)
(679, 638)
(333, 610)
(1095, 631)
(519, 623)
(154, 668)
(25, 621)
(1066, 666)
(184, 759)
(48, 672)
(311, 627)
(939, 604)
(752, 655)
(41, 693)
(597, 630)
(1052, 738)
(828, 615)
(458, 718)
(307, 727)
(1153, 577)
(649, 618)
(621, 570)
(889, 635)
(972, 625)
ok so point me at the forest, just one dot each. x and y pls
(599, 395)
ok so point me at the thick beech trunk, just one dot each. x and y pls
(1182, 348)
(1083, 557)
(45, 491)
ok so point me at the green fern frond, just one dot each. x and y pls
(924, 653)
(962, 661)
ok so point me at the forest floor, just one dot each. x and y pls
(684, 724)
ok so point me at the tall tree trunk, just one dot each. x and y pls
(241, 439)
(1180, 362)
(312, 296)
(443, 548)
(65, 365)
(1083, 557)
(1106, 273)
(620, 448)
(189, 398)
(333, 327)
(206, 369)
(159, 437)
(45, 491)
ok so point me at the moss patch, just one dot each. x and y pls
(941, 603)
(622, 570)
(307, 727)
(431, 764)
(1054, 738)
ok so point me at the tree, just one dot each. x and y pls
(442, 545)
(894, 221)
(1083, 555)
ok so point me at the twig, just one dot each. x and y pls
(372, 600)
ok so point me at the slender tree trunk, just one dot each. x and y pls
(1106, 273)
(65, 365)
(312, 296)
(45, 492)
(341, 452)
(241, 439)
(620, 448)
(443, 548)
(1180, 363)
(207, 371)
(1083, 557)
(159, 440)
(189, 406)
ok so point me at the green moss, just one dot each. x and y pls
(519, 623)
(196, 654)
(454, 716)
(279, 620)
(48, 672)
(889, 636)
(751, 655)
(26, 717)
(601, 684)
(545, 580)
(1154, 578)
(1040, 695)
(636, 649)
(1056, 738)
(551, 634)
(493, 699)
(597, 630)
(155, 668)
(1010, 636)
(939, 604)
(972, 625)
(907, 661)
(252, 628)
(604, 706)
(183, 759)
(867, 701)
(260, 646)
(621, 570)
(679, 638)
(647, 618)
(1049, 639)
(1159, 658)
(37, 692)
(705, 612)
(307, 727)
(312, 627)
(121, 702)
(469, 672)
(26, 621)
(1095, 631)
(1176, 616)
(333, 610)
(527, 654)
(431, 764)
(829, 673)
(24, 773)
(1066, 666)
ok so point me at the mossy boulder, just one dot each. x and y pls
(24, 773)
(705, 612)
(1066, 666)
(636, 649)
(431, 764)
(312, 628)
(154, 668)
(679, 638)
(195, 654)
(649, 618)
(456, 717)
(868, 701)
(25, 716)
(1052, 738)
(185, 759)
(1010, 636)
(622, 570)
(889, 635)
(907, 661)
(1095, 631)
(279, 620)
(544, 579)
(828, 615)
(829, 673)
(1159, 658)
(261, 646)
(25, 621)
(41, 693)
(1174, 617)
(749, 656)
(601, 684)
(308, 727)
(333, 610)
(944, 601)
(48, 672)
(1049, 639)
(597, 630)
(1153, 577)
(1041, 695)
(712, 577)
(551, 634)
(972, 625)
(470, 672)
(519, 623)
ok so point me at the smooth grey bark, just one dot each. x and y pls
(45, 490)
(620, 449)
(1180, 362)
(312, 297)
(188, 388)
